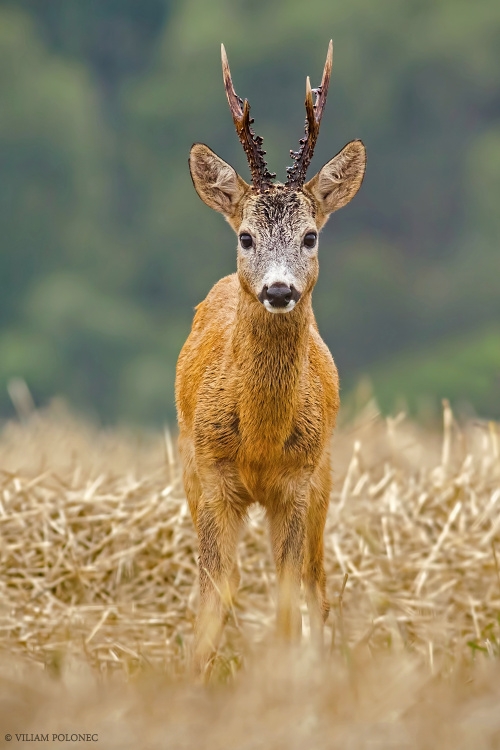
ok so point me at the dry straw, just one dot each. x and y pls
(98, 563)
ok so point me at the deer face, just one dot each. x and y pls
(277, 228)
(277, 247)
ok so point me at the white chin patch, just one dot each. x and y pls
(279, 310)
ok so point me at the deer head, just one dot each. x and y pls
(278, 225)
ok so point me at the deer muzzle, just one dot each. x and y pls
(279, 297)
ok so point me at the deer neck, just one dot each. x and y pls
(271, 358)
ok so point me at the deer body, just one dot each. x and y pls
(257, 389)
(257, 392)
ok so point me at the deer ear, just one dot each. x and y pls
(215, 181)
(340, 179)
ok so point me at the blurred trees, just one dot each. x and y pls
(106, 248)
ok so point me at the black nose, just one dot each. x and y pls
(279, 294)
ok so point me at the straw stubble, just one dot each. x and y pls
(99, 562)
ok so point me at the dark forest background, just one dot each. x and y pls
(105, 247)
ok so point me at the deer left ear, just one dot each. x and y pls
(340, 179)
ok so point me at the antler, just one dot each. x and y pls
(252, 144)
(302, 157)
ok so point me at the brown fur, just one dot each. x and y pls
(257, 397)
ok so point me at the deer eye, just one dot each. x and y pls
(246, 241)
(310, 239)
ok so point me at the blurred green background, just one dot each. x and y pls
(106, 248)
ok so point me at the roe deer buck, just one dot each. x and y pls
(256, 388)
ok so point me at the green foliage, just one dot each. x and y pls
(489, 641)
(465, 369)
(53, 159)
(483, 184)
(106, 248)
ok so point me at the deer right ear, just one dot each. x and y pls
(215, 181)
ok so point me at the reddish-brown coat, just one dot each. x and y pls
(257, 396)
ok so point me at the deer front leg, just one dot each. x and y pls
(314, 571)
(219, 521)
(287, 520)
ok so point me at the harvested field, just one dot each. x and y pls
(98, 595)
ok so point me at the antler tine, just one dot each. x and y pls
(233, 99)
(314, 112)
(252, 144)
